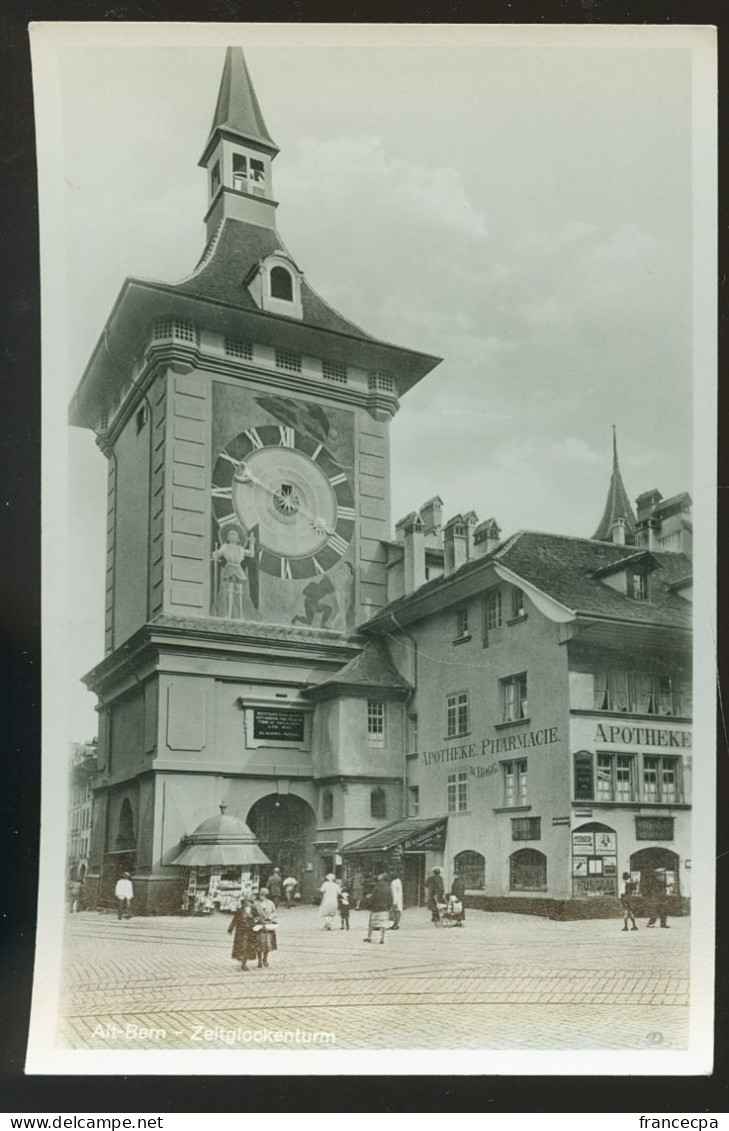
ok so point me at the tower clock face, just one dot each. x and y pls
(289, 487)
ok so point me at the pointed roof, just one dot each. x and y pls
(372, 669)
(617, 504)
(237, 110)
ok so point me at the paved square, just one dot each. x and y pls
(503, 982)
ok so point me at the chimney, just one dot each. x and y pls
(646, 533)
(471, 521)
(617, 532)
(486, 538)
(414, 553)
(455, 544)
(646, 503)
(432, 515)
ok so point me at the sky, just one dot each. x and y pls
(521, 209)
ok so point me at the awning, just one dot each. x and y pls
(411, 834)
(227, 855)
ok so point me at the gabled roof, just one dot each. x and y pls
(561, 567)
(617, 504)
(237, 110)
(371, 669)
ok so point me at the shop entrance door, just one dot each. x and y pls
(413, 881)
(662, 866)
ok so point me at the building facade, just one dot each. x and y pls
(83, 770)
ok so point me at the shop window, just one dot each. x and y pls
(594, 860)
(462, 623)
(518, 608)
(457, 792)
(281, 284)
(660, 779)
(526, 828)
(457, 714)
(471, 867)
(327, 804)
(378, 803)
(515, 782)
(375, 722)
(528, 870)
(514, 698)
(414, 800)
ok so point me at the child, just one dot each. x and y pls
(627, 900)
(343, 904)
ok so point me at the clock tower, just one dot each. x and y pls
(245, 423)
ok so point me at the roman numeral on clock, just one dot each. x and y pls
(288, 436)
(286, 569)
(346, 512)
(254, 438)
(222, 493)
(224, 455)
(317, 566)
(337, 543)
(335, 480)
(227, 519)
(316, 452)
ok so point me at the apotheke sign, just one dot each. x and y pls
(643, 736)
(509, 744)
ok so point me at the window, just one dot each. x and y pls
(514, 698)
(380, 382)
(638, 586)
(517, 603)
(457, 714)
(240, 172)
(457, 789)
(526, 828)
(290, 361)
(515, 782)
(413, 734)
(660, 779)
(332, 371)
(528, 870)
(493, 610)
(177, 328)
(281, 284)
(327, 804)
(462, 623)
(235, 347)
(378, 803)
(375, 722)
(215, 178)
(642, 693)
(414, 800)
(471, 867)
(258, 172)
(141, 418)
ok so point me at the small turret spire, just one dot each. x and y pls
(618, 513)
(237, 110)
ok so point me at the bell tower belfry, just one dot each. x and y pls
(239, 152)
(246, 426)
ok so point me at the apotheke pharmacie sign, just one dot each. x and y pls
(509, 744)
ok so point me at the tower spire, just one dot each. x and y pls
(237, 110)
(617, 505)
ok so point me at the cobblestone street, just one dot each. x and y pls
(503, 982)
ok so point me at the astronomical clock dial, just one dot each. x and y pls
(289, 487)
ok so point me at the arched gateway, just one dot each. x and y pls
(285, 827)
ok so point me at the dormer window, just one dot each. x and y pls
(638, 586)
(281, 284)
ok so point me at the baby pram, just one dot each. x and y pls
(450, 912)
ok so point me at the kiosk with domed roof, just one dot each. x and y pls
(223, 859)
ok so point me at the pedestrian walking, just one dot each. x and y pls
(627, 901)
(124, 894)
(357, 890)
(436, 890)
(396, 902)
(244, 938)
(74, 895)
(290, 884)
(329, 905)
(264, 927)
(380, 903)
(653, 889)
(275, 885)
(343, 901)
(458, 895)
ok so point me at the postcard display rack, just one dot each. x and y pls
(218, 889)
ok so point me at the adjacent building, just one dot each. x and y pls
(83, 770)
